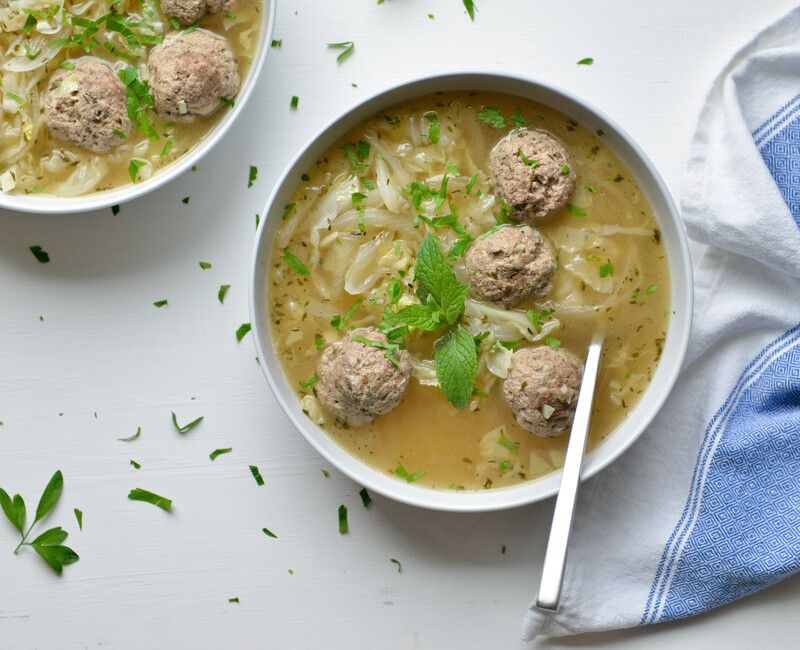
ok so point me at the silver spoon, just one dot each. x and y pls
(556, 556)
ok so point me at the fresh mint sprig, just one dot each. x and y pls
(48, 545)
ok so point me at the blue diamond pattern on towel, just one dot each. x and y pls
(782, 157)
(747, 533)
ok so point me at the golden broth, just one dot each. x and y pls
(35, 160)
(612, 274)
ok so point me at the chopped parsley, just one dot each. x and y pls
(537, 318)
(530, 162)
(366, 499)
(242, 331)
(40, 254)
(294, 102)
(553, 342)
(651, 289)
(79, 517)
(343, 527)
(204, 265)
(433, 126)
(170, 142)
(471, 182)
(308, 383)
(576, 210)
(277, 42)
(518, 119)
(134, 167)
(346, 48)
(256, 475)
(319, 342)
(269, 533)
(325, 472)
(565, 169)
(505, 464)
(135, 465)
(409, 478)
(161, 303)
(218, 452)
(138, 494)
(294, 263)
(357, 155)
(287, 210)
(390, 348)
(606, 269)
(223, 290)
(340, 321)
(394, 121)
(587, 61)
(492, 116)
(252, 176)
(186, 427)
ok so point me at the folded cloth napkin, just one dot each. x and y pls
(705, 507)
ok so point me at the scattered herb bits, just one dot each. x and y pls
(186, 427)
(161, 303)
(256, 475)
(138, 494)
(242, 331)
(234, 599)
(79, 517)
(223, 291)
(343, 527)
(366, 499)
(218, 452)
(269, 533)
(294, 102)
(40, 254)
(346, 48)
(295, 263)
(587, 61)
(133, 437)
(252, 176)
(135, 465)
(469, 5)
(397, 564)
(204, 265)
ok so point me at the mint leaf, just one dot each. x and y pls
(421, 316)
(492, 116)
(50, 496)
(434, 272)
(456, 365)
(51, 537)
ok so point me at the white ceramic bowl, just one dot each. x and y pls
(48, 204)
(673, 238)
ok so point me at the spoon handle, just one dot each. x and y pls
(556, 556)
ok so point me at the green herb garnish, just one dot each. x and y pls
(242, 331)
(138, 494)
(433, 126)
(204, 265)
(456, 365)
(366, 499)
(565, 169)
(252, 176)
(40, 254)
(294, 102)
(187, 427)
(530, 162)
(135, 465)
(269, 533)
(256, 475)
(518, 119)
(553, 342)
(651, 289)
(343, 527)
(340, 321)
(409, 478)
(223, 290)
(161, 303)
(133, 437)
(576, 210)
(587, 61)
(319, 342)
(308, 383)
(512, 446)
(78, 517)
(134, 167)
(294, 263)
(492, 117)
(346, 48)
(218, 452)
(287, 210)
(606, 269)
(469, 5)
(536, 318)
(48, 544)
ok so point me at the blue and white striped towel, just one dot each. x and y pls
(705, 507)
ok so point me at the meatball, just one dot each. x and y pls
(509, 265)
(531, 172)
(357, 382)
(190, 73)
(542, 389)
(87, 106)
(190, 11)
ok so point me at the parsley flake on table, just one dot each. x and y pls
(256, 475)
(397, 563)
(186, 427)
(47, 545)
(277, 42)
(218, 452)
(269, 533)
(587, 61)
(295, 263)
(252, 176)
(138, 494)
(78, 517)
(204, 265)
(223, 291)
(492, 116)
(133, 437)
(244, 328)
(235, 599)
(115, 210)
(294, 102)
(135, 465)
(469, 5)
(346, 48)
(325, 472)
(343, 527)
(161, 303)
(366, 499)
(40, 254)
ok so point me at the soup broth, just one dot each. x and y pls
(612, 274)
(38, 37)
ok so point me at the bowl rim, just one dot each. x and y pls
(51, 204)
(679, 327)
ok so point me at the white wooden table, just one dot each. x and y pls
(149, 579)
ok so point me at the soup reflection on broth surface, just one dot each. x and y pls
(81, 111)
(358, 247)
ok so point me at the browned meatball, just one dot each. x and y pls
(510, 265)
(190, 11)
(357, 382)
(87, 106)
(542, 389)
(531, 172)
(190, 74)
